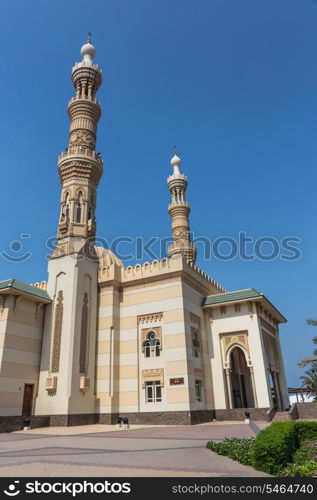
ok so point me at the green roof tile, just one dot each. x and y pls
(24, 287)
(219, 298)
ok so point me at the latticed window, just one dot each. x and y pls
(153, 392)
(198, 391)
(152, 346)
(79, 208)
(195, 344)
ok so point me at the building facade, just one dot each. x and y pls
(160, 342)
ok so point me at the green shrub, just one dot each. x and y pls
(274, 447)
(308, 469)
(237, 449)
(305, 430)
(304, 461)
(281, 449)
(307, 451)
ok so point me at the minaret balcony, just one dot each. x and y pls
(80, 152)
(84, 107)
(183, 247)
(178, 208)
(177, 181)
(84, 98)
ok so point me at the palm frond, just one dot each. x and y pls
(312, 322)
(307, 361)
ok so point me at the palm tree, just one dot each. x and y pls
(312, 360)
(310, 381)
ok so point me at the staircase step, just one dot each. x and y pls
(281, 416)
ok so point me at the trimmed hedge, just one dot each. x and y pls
(305, 430)
(275, 445)
(304, 461)
(274, 450)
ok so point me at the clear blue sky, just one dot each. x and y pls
(231, 83)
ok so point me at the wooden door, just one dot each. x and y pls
(27, 400)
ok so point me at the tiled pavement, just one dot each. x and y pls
(147, 451)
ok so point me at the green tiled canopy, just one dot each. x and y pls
(25, 288)
(218, 298)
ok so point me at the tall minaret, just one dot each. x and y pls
(79, 166)
(67, 373)
(179, 211)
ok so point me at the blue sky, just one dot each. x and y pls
(231, 83)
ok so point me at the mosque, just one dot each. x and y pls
(158, 343)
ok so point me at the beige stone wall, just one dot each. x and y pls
(125, 315)
(167, 304)
(21, 328)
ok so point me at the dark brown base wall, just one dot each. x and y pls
(161, 418)
(239, 414)
(74, 419)
(11, 424)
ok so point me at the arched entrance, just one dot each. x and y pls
(240, 380)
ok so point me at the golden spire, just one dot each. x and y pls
(89, 37)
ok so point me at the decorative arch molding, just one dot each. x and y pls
(241, 390)
(230, 340)
(145, 332)
(238, 346)
(66, 196)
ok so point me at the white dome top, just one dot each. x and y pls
(107, 258)
(88, 52)
(176, 163)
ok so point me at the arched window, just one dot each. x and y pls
(78, 208)
(147, 349)
(152, 346)
(65, 209)
(195, 344)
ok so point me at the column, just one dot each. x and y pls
(229, 387)
(255, 399)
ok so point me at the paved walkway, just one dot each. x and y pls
(104, 451)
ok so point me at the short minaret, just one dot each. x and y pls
(179, 211)
(79, 166)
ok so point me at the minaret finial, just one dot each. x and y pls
(175, 153)
(89, 37)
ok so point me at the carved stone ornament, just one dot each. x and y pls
(234, 338)
(83, 336)
(145, 332)
(150, 318)
(151, 375)
(57, 339)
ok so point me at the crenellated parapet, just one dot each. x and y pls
(112, 270)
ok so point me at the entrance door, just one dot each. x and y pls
(27, 400)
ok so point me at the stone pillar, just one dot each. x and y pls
(229, 387)
(255, 399)
(276, 390)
